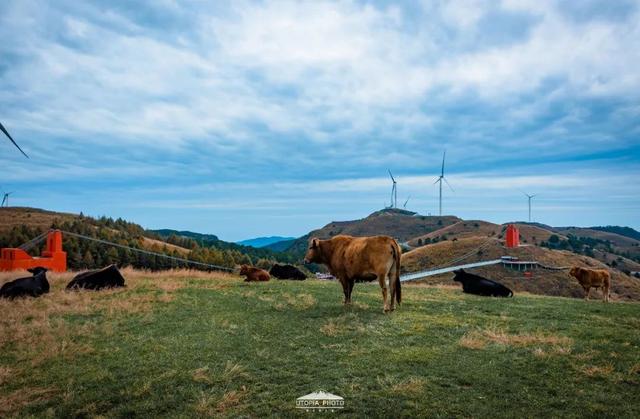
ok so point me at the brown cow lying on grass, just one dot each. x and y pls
(360, 258)
(592, 278)
(254, 274)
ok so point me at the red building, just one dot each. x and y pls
(53, 258)
(513, 236)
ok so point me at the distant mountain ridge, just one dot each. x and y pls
(623, 231)
(259, 242)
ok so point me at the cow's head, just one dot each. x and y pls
(458, 275)
(575, 271)
(244, 269)
(37, 270)
(314, 253)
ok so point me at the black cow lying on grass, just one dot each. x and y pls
(474, 284)
(33, 286)
(287, 272)
(108, 277)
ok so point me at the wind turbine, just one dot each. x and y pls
(405, 202)
(440, 179)
(3, 129)
(529, 198)
(5, 199)
(394, 192)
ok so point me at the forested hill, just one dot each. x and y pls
(189, 239)
(19, 225)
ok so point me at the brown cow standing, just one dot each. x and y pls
(254, 274)
(592, 278)
(360, 258)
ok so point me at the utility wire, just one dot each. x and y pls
(33, 242)
(133, 249)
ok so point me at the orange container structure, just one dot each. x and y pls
(513, 236)
(53, 257)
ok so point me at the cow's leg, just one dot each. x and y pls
(382, 280)
(351, 284)
(392, 294)
(345, 290)
(588, 293)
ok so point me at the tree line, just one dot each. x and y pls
(87, 254)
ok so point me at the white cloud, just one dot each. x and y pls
(324, 71)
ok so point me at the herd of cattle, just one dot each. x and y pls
(37, 284)
(349, 259)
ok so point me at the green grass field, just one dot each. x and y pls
(180, 345)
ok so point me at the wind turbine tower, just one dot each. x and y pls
(529, 199)
(441, 179)
(394, 192)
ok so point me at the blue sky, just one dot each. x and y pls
(274, 118)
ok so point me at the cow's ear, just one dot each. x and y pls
(314, 243)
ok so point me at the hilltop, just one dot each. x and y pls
(400, 224)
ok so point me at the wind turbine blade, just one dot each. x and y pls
(445, 181)
(443, 156)
(2, 128)
(437, 180)
(394, 181)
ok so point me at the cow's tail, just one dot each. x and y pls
(396, 274)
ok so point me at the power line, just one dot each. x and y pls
(41, 237)
(33, 242)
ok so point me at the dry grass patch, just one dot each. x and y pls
(554, 350)
(210, 405)
(347, 323)
(5, 374)
(299, 301)
(22, 397)
(478, 339)
(412, 386)
(202, 375)
(233, 370)
(597, 371)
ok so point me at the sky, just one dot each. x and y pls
(246, 119)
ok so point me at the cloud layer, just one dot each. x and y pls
(173, 94)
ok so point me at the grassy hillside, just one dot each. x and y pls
(529, 233)
(608, 241)
(544, 281)
(459, 230)
(195, 345)
(33, 217)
